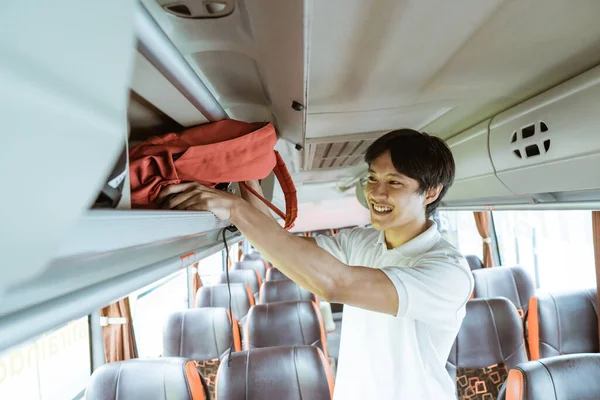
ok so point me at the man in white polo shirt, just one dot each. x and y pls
(403, 286)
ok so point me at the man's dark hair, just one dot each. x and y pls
(420, 156)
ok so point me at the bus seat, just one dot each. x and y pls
(218, 296)
(204, 335)
(256, 265)
(474, 262)
(245, 276)
(562, 323)
(252, 256)
(514, 283)
(570, 377)
(489, 343)
(289, 372)
(285, 324)
(273, 274)
(274, 291)
(148, 379)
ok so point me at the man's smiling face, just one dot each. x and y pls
(395, 200)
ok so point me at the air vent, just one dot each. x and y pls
(532, 150)
(528, 132)
(181, 10)
(337, 154)
(197, 9)
(533, 138)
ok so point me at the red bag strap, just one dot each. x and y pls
(289, 192)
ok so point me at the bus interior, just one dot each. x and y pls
(173, 305)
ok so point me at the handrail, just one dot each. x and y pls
(155, 45)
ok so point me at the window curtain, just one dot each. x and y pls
(196, 281)
(482, 220)
(596, 232)
(117, 331)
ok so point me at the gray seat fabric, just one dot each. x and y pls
(489, 343)
(561, 323)
(285, 324)
(218, 296)
(289, 372)
(147, 379)
(514, 283)
(286, 290)
(570, 377)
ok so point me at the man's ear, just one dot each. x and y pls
(432, 194)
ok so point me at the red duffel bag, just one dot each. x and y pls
(224, 151)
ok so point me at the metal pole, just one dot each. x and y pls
(155, 45)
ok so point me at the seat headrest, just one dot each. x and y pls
(563, 323)
(218, 296)
(273, 274)
(290, 373)
(273, 291)
(252, 256)
(212, 325)
(147, 379)
(246, 276)
(514, 283)
(256, 265)
(474, 262)
(491, 333)
(571, 377)
(285, 324)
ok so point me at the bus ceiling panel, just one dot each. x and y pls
(254, 61)
(156, 46)
(477, 57)
(550, 143)
(67, 305)
(146, 120)
(154, 88)
(65, 81)
(475, 175)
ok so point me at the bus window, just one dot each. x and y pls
(150, 308)
(459, 228)
(211, 267)
(55, 365)
(556, 247)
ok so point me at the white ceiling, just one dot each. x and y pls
(440, 65)
(366, 67)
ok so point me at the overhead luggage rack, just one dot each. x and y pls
(109, 254)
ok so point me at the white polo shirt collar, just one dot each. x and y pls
(413, 247)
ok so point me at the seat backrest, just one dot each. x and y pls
(290, 373)
(571, 377)
(489, 343)
(562, 323)
(218, 296)
(273, 274)
(204, 335)
(246, 276)
(287, 323)
(474, 262)
(514, 283)
(256, 265)
(147, 379)
(274, 291)
(252, 256)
